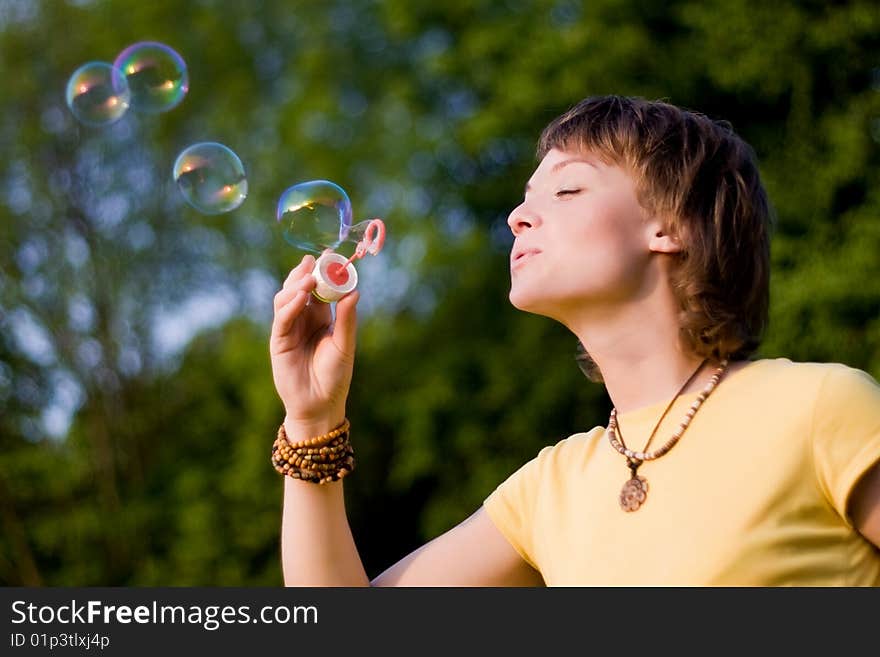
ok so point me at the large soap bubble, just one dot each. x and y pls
(156, 75)
(211, 177)
(314, 215)
(97, 94)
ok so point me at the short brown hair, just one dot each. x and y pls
(703, 179)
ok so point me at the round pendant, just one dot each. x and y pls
(634, 493)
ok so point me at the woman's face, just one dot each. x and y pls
(581, 238)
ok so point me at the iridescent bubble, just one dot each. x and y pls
(314, 215)
(156, 75)
(211, 177)
(97, 94)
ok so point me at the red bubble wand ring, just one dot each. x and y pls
(335, 275)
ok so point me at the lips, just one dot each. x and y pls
(521, 255)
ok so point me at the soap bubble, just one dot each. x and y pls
(156, 75)
(97, 94)
(314, 215)
(211, 177)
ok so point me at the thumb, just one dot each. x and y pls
(345, 328)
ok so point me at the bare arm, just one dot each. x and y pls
(312, 361)
(317, 547)
(473, 553)
(865, 505)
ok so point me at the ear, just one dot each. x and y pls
(663, 241)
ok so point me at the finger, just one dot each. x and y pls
(319, 311)
(305, 267)
(288, 314)
(345, 328)
(287, 293)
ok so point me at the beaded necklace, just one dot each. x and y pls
(635, 490)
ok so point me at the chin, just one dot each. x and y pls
(539, 302)
(517, 299)
(526, 301)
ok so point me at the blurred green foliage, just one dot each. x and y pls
(132, 455)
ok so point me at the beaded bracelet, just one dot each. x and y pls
(324, 458)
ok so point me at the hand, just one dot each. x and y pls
(312, 356)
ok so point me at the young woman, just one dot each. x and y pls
(645, 231)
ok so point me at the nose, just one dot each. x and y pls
(521, 218)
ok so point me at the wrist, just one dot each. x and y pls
(317, 459)
(303, 428)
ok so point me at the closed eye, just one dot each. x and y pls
(567, 192)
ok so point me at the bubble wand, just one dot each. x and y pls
(317, 215)
(335, 275)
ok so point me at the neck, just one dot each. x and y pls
(639, 351)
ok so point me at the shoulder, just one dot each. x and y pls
(836, 398)
(573, 444)
(844, 429)
(566, 453)
(820, 380)
(846, 390)
(552, 464)
(814, 370)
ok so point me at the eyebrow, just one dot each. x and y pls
(565, 163)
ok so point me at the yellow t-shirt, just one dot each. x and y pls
(754, 493)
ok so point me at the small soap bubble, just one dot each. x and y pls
(314, 215)
(156, 75)
(97, 94)
(211, 177)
